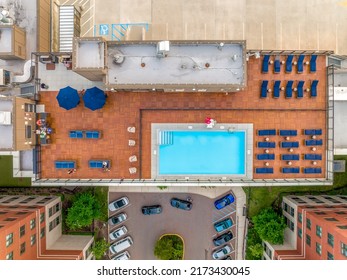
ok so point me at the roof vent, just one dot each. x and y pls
(163, 48)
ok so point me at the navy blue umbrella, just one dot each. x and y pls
(68, 98)
(94, 98)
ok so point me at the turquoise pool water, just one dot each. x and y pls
(201, 152)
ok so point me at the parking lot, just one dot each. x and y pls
(195, 226)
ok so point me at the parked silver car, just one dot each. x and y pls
(118, 204)
(221, 253)
(118, 232)
(117, 219)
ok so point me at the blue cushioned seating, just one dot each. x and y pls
(76, 134)
(263, 93)
(62, 164)
(266, 156)
(312, 132)
(290, 157)
(266, 132)
(290, 170)
(264, 170)
(290, 144)
(314, 88)
(313, 63)
(277, 88)
(300, 89)
(288, 133)
(98, 163)
(266, 144)
(92, 134)
(313, 142)
(313, 156)
(312, 170)
(265, 66)
(289, 89)
(300, 64)
(277, 66)
(289, 63)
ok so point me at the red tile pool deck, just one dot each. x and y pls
(125, 109)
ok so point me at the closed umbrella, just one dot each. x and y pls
(94, 98)
(68, 98)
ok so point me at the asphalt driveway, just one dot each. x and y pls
(195, 226)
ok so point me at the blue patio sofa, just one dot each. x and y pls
(277, 66)
(92, 134)
(290, 157)
(300, 89)
(97, 163)
(263, 93)
(312, 132)
(314, 142)
(277, 88)
(313, 156)
(265, 66)
(314, 88)
(266, 144)
(63, 164)
(266, 132)
(76, 134)
(264, 170)
(290, 170)
(289, 89)
(312, 170)
(289, 63)
(300, 65)
(294, 144)
(265, 156)
(313, 64)
(288, 132)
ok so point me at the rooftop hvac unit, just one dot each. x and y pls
(163, 48)
(5, 78)
(118, 58)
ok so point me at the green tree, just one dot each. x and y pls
(100, 248)
(256, 250)
(84, 209)
(169, 247)
(253, 243)
(270, 226)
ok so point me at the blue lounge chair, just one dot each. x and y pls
(266, 132)
(265, 67)
(288, 133)
(266, 157)
(290, 170)
(290, 157)
(76, 134)
(277, 88)
(290, 144)
(312, 132)
(98, 163)
(300, 89)
(92, 134)
(312, 170)
(300, 64)
(289, 89)
(277, 66)
(266, 144)
(263, 93)
(313, 142)
(289, 63)
(314, 88)
(313, 157)
(264, 170)
(313, 63)
(64, 164)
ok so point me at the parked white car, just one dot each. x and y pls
(118, 232)
(222, 252)
(123, 256)
(115, 220)
(118, 204)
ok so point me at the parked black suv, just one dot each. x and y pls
(224, 238)
(181, 204)
(150, 210)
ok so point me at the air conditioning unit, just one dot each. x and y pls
(5, 78)
(163, 48)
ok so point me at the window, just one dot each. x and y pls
(33, 239)
(319, 231)
(300, 232)
(54, 209)
(292, 211)
(29, 107)
(50, 212)
(28, 130)
(320, 213)
(331, 240)
(331, 219)
(308, 223)
(9, 256)
(10, 219)
(54, 223)
(341, 213)
(22, 248)
(300, 217)
(21, 213)
(57, 207)
(330, 256)
(308, 240)
(291, 226)
(9, 239)
(32, 223)
(42, 217)
(344, 249)
(318, 248)
(22, 231)
(285, 207)
(2, 213)
(342, 227)
(42, 233)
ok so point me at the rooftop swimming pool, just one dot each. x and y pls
(202, 153)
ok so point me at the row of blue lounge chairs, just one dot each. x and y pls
(289, 157)
(69, 164)
(89, 134)
(289, 64)
(306, 170)
(288, 132)
(288, 89)
(290, 144)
